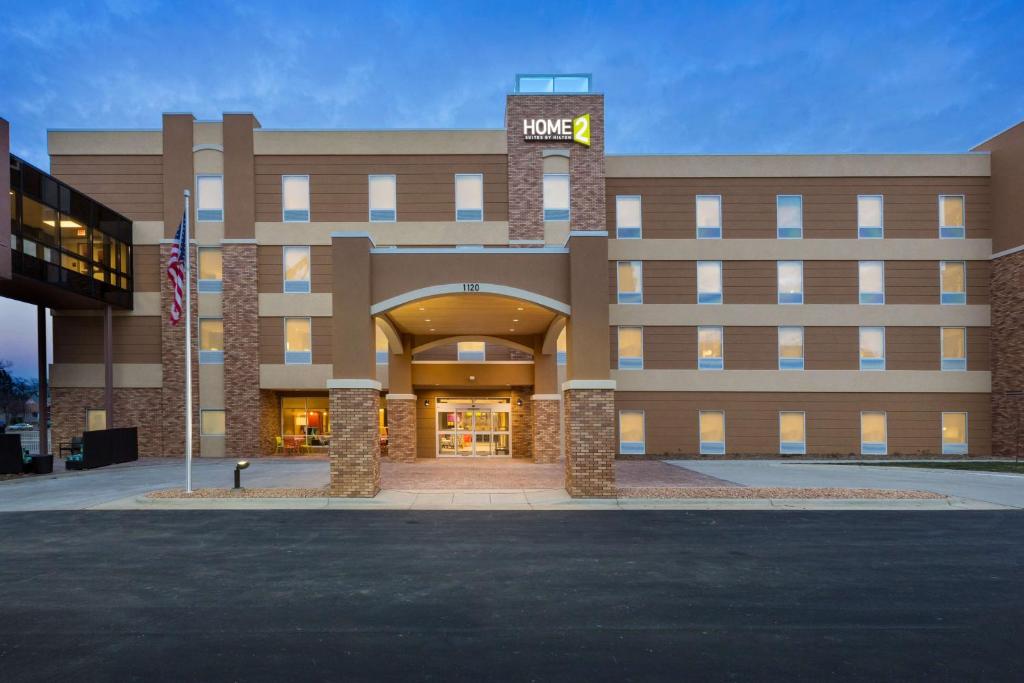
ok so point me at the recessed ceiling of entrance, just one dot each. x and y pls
(471, 314)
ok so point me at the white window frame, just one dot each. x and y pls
(208, 285)
(870, 364)
(710, 232)
(470, 356)
(466, 218)
(711, 447)
(953, 232)
(785, 362)
(633, 447)
(711, 298)
(209, 357)
(219, 218)
(297, 357)
(555, 217)
(870, 298)
(296, 286)
(952, 364)
(778, 226)
(862, 230)
(874, 447)
(202, 422)
(778, 284)
(629, 232)
(958, 448)
(952, 298)
(309, 201)
(792, 447)
(631, 362)
(630, 297)
(712, 363)
(394, 198)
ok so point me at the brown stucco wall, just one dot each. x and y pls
(177, 170)
(239, 176)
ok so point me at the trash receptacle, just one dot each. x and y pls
(42, 464)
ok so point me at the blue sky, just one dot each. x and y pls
(718, 77)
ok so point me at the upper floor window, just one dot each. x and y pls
(869, 216)
(791, 348)
(790, 276)
(211, 341)
(873, 433)
(631, 348)
(381, 346)
(631, 432)
(792, 432)
(383, 198)
(871, 279)
(210, 198)
(951, 216)
(953, 282)
(954, 433)
(295, 198)
(789, 216)
(298, 341)
(872, 348)
(710, 348)
(628, 217)
(709, 217)
(954, 348)
(712, 432)
(469, 196)
(630, 282)
(472, 350)
(296, 270)
(709, 282)
(552, 83)
(211, 270)
(556, 196)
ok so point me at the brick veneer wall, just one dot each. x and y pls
(172, 351)
(547, 445)
(590, 443)
(402, 429)
(521, 426)
(1007, 340)
(240, 311)
(133, 407)
(355, 443)
(270, 421)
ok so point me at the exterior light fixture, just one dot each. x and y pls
(472, 378)
(519, 402)
(239, 466)
(426, 402)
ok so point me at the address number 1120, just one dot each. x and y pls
(471, 287)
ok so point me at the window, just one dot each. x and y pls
(296, 270)
(211, 269)
(295, 198)
(628, 218)
(556, 196)
(709, 282)
(709, 217)
(954, 433)
(211, 341)
(211, 422)
(709, 348)
(872, 348)
(789, 216)
(552, 83)
(630, 282)
(561, 355)
(298, 341)
(953, 282)
(869, 217)
(791, 348)
(381, 345)
(210, 198)
(951, 216)
(873, 433)
(712, 432)
(383, 200)
(871, 276)
(472, 350)
(791, 282)
(954, 348)
(792, 433)
(631, 432)
(95, 419)
(469, 196)
(631, 348)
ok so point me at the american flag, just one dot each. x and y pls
(176, 271)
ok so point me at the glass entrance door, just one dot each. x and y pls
(477, 428)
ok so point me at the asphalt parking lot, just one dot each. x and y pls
(309, 595)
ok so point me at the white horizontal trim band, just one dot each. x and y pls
(822, 381)
(588, 384)
(685, 249)
(353, 384)
(400, 397)
(811, 315)
(546, 397)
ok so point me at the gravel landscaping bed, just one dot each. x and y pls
(772, 492)
(240, 493)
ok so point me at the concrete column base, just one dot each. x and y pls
(547, 430)
(355, 443)
(402, 429)
(590, 443)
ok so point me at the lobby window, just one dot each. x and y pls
(631, 348)
(95, 419)
(296, 270)
(953, 282)
(954, 433)
(211, 269)
(872, 348)
(469, 197)
(631, 432)
(954, 348)
(792, 433)
(791, 348)
(628, 217)
(630, 281)
(790, 282)
(873, 433)
(556, 196)
(472, 351)
(211, 341)
(951, 216)
(869, 216)
(709, 282)
(210, 198)
(383, 199)
(561, 355)
(381, 345)
(710, 348)
(871, 278)
(295, 198)
(709, 217)
(298, 341)
(712, 432)
(212, 422)
(789, 216)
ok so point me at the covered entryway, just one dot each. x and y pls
(473, 427)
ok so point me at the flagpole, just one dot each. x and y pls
(188, 348)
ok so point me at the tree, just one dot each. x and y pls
(14, 391)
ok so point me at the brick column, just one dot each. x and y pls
(546, 428)
(355, 446)
(241, 351)
(590, 442)
(1007, 300)
(401, 427)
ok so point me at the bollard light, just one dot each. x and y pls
(239, 466)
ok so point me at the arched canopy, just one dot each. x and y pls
(474, 288)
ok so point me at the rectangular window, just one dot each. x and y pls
(211, 341)
(951, 216)
(790, 282)
(561, 355)
(712, 432)
(872, 348)
(469, 196)
(472, 351)
(631, 432)
(954, 348)
(791, 348)
(212, 423)
(709, 217)
(869, 217)
(628, 218)
(871, 276)
(709, 282)
(95, 419)
(954, 433)
(295, 198)
(381, 344)
(792, 433)
(383, 199)
(710, 348)
(631, 348)
(873, 434)
(630, 282)
(789, 216)
(953, 282)
(209, 198)
(298, 341)
(296, 270)
(556, 196)
(211, 269)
